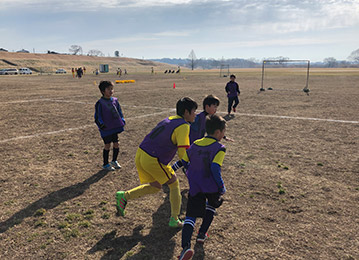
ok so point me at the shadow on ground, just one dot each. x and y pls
(229, 117)
(52, 200)
(158, 244)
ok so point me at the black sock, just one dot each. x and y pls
(105, 156)
(187, 231)
(115, 153)
(207, 220)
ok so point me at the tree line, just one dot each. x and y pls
(203, 63)
(192, 62)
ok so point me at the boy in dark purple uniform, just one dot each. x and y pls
(110, 122)
(203, 161)
(198, 127)
(233, 92)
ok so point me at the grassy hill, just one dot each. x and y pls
(49, 63)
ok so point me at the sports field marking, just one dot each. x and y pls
(76, 128)
(60, 99)
(297, 118)
(171, 110)
(167, 111)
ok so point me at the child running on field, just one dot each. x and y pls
(203, 161)
(232, 89)
(110, 122)
(154, 155)
(198, 127)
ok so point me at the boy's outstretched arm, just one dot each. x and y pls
(181, 163)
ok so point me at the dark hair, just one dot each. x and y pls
(214, 122)
(185, 103)
(232, 76)
(210, 100)
(104, 84)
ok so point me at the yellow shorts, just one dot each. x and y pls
(150, 169)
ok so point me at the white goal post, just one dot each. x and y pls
(224, 70)
(265, 62)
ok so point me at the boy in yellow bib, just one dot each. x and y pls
(152, 160)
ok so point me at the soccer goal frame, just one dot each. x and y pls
(223, 69)
(306, 87)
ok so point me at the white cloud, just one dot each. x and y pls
(173, 33)
(162, 27)
(81, 5)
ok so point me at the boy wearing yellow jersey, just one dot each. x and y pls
(152, 160)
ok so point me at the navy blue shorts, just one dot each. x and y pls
(196, 205)
(110, 138)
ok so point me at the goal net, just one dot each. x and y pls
(224, 70)
(285, 75)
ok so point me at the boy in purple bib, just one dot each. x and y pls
(152, 160)
(110, 122)
(203, 161)
(198, 127)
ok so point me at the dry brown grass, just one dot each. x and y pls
(292, 182)
(49, 63)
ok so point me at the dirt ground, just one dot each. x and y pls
(292, 174)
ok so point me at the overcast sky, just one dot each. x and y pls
(297, 29)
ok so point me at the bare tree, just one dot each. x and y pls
(75, 49)
(330, 62)
(117, 54)
(95, 53)
(193, 58)
(354, 56)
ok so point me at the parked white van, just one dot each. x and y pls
(25, 71)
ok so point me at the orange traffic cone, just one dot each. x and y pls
(174, 85)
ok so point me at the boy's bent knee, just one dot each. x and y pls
(156, 184)
(172, 180)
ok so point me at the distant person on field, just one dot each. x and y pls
(154, 155)
(73, 72)
(84, 70)
(203, 161)
(110, 121)
(232, 89)
(79, 72)
(152, 70)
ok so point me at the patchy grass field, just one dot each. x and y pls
(291, 174)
